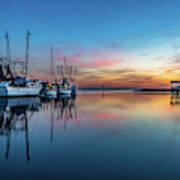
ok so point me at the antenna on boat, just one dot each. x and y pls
(70, 72)
(8, 47)
(65, 61)
(27, 51)
(75, 73)
(62, 71)
(65, 67)
(52, 62)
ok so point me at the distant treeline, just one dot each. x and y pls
(105, 89)
(123, 89)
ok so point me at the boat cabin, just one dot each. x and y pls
(5, 69)
(175, 85)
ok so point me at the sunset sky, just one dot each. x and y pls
(118, 43)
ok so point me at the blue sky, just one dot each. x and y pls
(87, 21)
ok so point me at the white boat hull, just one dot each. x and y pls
(19, 91)
(52, 93)
(64, 91)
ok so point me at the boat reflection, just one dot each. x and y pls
(68, 111)
(175, 98)
(15, 113)
(63, 109)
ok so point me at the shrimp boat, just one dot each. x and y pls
(64, 88)
(10, 89)
(48, 90)
(51, 93)
(68, 75)
(7, 89)
(16, 86)
(13, 85)
(64, 91)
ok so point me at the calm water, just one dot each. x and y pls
(91, 136)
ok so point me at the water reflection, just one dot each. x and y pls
(110, 136)
(63, 109)
(15, 113)
(67, 109)
(175, 98)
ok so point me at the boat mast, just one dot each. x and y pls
(52, 63)
(75, 73)
(8, 47)
(27, 52)
(65, 67)
(67, 71)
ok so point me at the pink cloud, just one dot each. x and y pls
(91, 59)
(104, 62)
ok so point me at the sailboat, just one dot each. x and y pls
(15, 86)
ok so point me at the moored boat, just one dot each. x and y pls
(52, 93)
(48, 90)
(64, 88)
(64, 91)
(67, 80)
(13, 83)
(10, 89)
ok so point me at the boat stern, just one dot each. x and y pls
(3, 89)
(3, 92)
